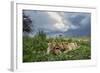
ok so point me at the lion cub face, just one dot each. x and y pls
(53, 48)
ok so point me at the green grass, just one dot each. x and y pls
(34, 50)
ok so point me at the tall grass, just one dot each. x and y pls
(34, 49)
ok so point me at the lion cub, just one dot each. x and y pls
(64, 47)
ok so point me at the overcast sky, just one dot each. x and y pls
(64, 23)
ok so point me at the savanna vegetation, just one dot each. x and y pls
(35, 48)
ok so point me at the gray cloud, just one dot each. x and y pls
(59, 22)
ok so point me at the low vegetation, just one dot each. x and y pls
(35, 48)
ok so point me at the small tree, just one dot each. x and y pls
(27, 23)
(42, 35)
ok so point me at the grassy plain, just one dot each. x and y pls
(35, 48)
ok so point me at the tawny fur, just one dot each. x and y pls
(57, 48)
